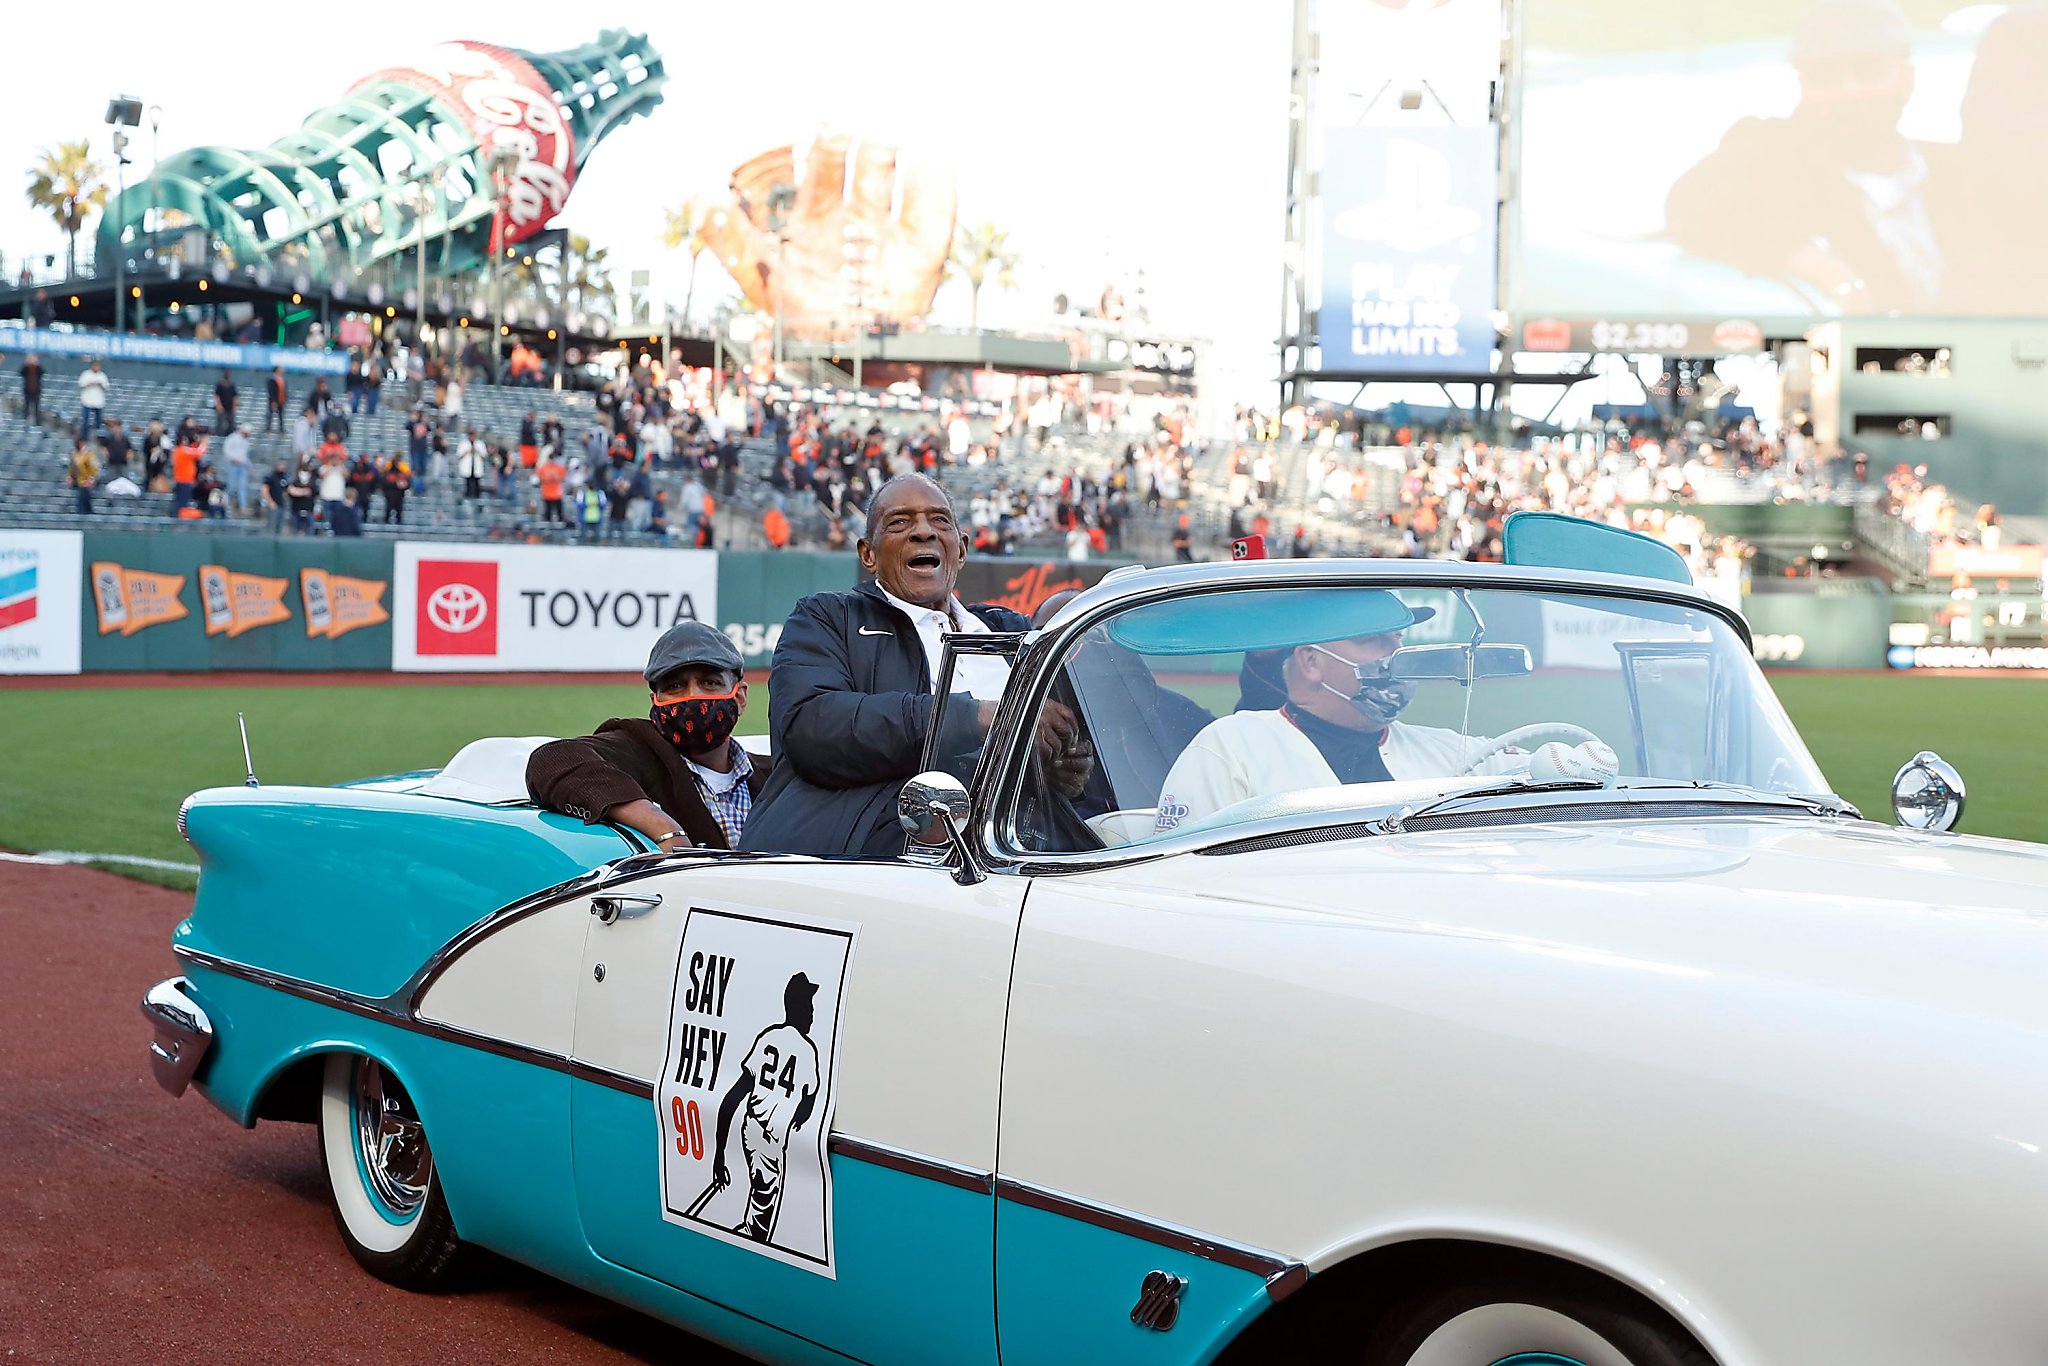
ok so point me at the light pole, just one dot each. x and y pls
(860, 254)
(504, 164)
(123, 112)
(420, 192)
(156, 120)
(781, 198)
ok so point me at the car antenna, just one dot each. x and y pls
(248, 764)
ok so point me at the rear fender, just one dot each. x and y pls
(356, 889)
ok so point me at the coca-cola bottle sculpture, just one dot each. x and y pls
(404, 160)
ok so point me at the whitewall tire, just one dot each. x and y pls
(380, 1176)
(1568, 1321)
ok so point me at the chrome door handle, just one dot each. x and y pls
(609, 908)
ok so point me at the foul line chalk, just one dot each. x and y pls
(64, 856)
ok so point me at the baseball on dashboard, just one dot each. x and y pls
(1559, 762)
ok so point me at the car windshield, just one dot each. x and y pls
(1199, 712)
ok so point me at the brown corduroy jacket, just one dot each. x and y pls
(627, 760)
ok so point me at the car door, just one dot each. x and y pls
(740, 986)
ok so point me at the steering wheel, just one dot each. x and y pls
(1521, 733)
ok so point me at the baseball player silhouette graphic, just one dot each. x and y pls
(779, 1084)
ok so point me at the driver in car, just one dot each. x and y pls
(1338, 725)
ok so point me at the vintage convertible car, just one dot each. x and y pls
(1583, 1026)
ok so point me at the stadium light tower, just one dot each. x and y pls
(123, 112)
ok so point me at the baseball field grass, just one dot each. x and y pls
(102, 770)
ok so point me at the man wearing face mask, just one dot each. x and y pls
(678, 777)
(1337, 726)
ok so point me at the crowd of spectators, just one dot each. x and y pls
(662, 453)
(1929, 510)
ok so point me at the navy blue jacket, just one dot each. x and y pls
(847, 715)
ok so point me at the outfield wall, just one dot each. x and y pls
(101, 602)
(112, 602)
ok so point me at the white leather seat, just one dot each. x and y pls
(491, 771)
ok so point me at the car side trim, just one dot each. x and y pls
(1283, 1275)
(914, 1164)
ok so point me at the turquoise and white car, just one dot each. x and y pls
(1666, 1062)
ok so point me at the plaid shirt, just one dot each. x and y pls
(726, 795)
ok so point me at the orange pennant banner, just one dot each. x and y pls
(236, 602)
(131, 600)
(336, 605)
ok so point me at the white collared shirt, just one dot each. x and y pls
(984, 676)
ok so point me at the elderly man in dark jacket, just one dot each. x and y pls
(850, 692)
(678, 777)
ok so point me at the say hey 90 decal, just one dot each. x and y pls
(747, 1087)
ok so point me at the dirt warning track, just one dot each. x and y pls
(135, 1227)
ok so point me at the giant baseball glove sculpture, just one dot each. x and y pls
(904, 237)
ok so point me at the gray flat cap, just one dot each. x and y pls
(691, 642)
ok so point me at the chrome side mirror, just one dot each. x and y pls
(1928, 793)
(933, 809)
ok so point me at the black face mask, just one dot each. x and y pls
(697, 724)
(1380, 696)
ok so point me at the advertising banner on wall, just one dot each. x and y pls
(1024, 585)
(193, 602)
(170, 350)
(1408, 250)
(568, 609)
(1978, 562)
(2030, 658)
(39, 573)
(1818, 629)
(756, 589)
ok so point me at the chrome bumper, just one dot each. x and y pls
(183, 1034)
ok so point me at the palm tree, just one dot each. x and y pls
(68, 184)
(685, 231)
(590, 275)
(983, 256)
(541, 280)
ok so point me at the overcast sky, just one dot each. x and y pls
(1105, 136)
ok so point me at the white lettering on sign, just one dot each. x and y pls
(1980, 657)
(528, 122)
(754, 638)
(507, 103)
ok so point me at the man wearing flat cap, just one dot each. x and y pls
(678, 777)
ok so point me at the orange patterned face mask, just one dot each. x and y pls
(696, 724)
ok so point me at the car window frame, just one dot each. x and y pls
(1005, 645)
(997, 788)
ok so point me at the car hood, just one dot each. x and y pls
(1838, 862)
(1865, 906)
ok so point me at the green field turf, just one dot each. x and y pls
(103, 769)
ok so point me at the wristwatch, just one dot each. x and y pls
(676, 834)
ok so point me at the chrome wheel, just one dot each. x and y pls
(391, 1146)
(380, 1171)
